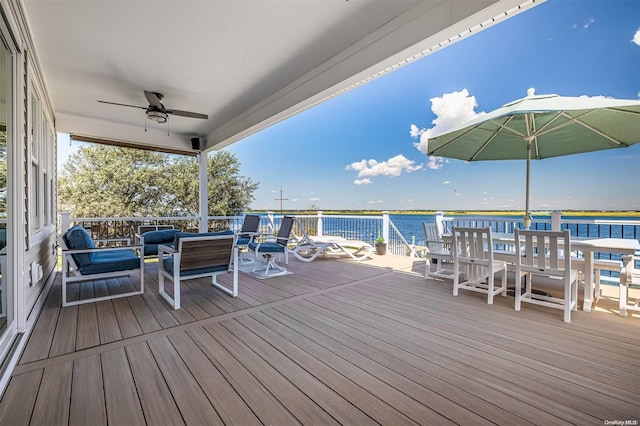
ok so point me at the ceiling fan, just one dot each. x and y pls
(156, 111)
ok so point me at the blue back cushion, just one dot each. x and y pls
(3, 238)
(160, 237)
(78, 238)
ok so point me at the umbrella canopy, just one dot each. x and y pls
(542, 126)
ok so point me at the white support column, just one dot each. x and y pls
(556, 218)
(385, 226)
(319, 227)
(65, 222)
(204, 192)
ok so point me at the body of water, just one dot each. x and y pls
(410, 226)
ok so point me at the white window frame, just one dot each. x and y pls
(40, 172)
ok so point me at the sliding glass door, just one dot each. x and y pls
(7, 145)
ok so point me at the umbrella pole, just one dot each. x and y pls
(527, 216)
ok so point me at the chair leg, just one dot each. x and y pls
(456, 278)
(518, 290)
(567, 301)
(504, 282)
(427, 266)
(623, 300)
(490, 282)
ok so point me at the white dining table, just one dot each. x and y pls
(605, 245)
(588, 246)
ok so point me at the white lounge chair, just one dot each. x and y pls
(309, 248)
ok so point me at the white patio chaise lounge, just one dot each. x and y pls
(309, 248)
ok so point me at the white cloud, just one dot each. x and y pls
(451, 110)
(393, 167)
(294, 200)
(314, 199)
(365, 181)
(435, 163)
(446, 182)
(636, 40)
(274, 191)
(374, 201)
(588, 23)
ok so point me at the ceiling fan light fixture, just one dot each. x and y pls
(157, 116)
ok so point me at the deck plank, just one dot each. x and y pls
(229, 405)
(19, 398)
(338, 407)
(41, 338)
(87, 331)
(155, 397)
(54, 395)
(299, 404)
(268, 409)
(108, 327)
(194, 406)
(121, 396)
(127, 321)
(64, 338)
(145, 318)
(363, 399)
(87, 393)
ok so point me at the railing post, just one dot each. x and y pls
(272, 224)
(555, 220)
(319, 226)
(65, 221)
(385, 226)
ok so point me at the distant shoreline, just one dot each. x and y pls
(590, 213)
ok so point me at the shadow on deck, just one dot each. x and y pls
(336, 342)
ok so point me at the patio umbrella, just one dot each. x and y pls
(542, 126)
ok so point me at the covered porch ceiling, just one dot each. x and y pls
(245, 64)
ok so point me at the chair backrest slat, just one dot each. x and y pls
(251, 224)
(285, 230)
(205, 252)
(543, 251)
(433, 240)
(473, 243)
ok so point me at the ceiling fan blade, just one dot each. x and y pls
(115, 103)
(187, 114)
(154, 99)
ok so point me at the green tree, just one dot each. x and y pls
(104, 181)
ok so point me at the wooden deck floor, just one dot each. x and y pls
(334, 343)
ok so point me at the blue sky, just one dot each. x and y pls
(571, 48)
(567, 47)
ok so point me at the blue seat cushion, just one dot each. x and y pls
(242, 241)
(153, 238)
(111, 261)
(3, 238)
(196, 234)
(77, 238)
(267, 247)
(168, 266)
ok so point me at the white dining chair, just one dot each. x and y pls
(473, 254)
(541, 254)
